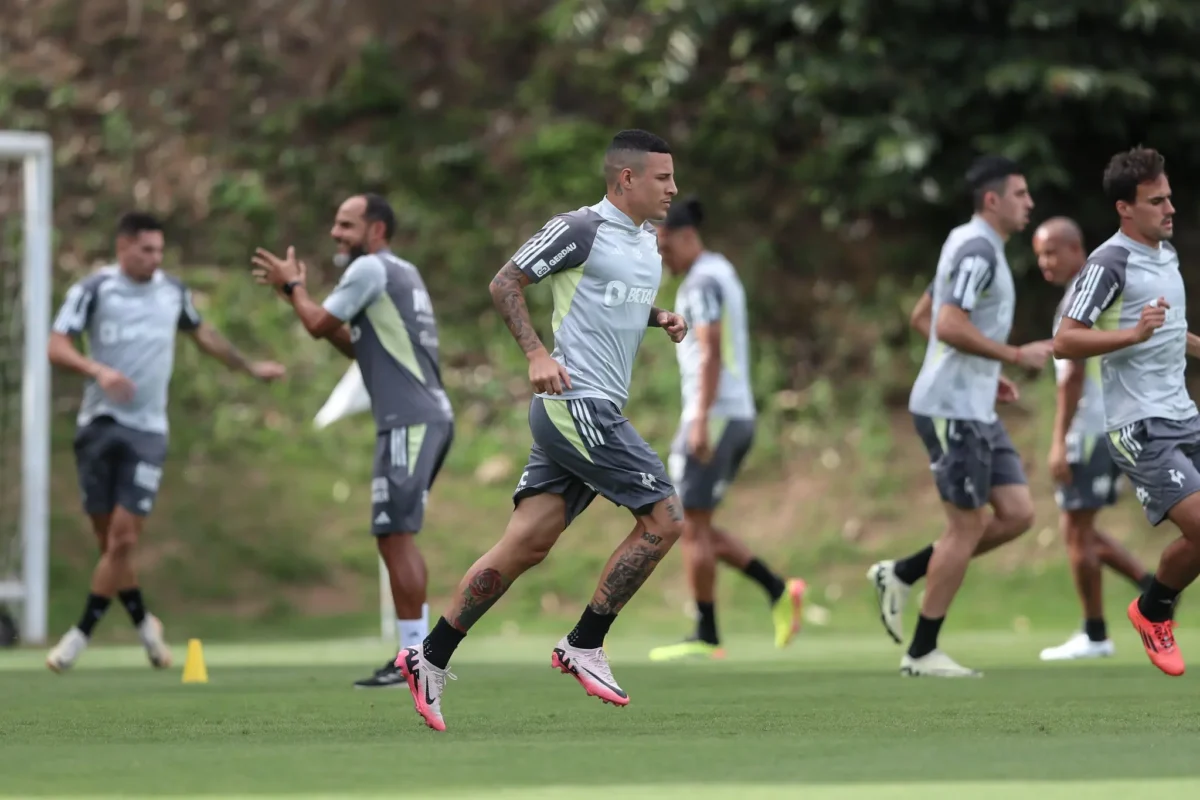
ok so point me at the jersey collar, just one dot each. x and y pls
(606, 209)
(988, 231)
(1134, 244)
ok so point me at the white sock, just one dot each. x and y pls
(411, 632)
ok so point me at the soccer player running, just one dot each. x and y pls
(381, 315)
(953, 403)
(603, 265)
(1128, 307)
(1084, 472)
(130, 312)
(716, 431)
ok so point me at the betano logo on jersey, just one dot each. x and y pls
(617, 294)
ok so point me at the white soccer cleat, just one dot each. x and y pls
(935, 664)
(151, 634)
(891, 593)
(68, 650)
(1077, 647)
(590, 668)
(426, 684)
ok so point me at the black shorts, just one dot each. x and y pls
(1094, 475)
(118, 466)
(407, 461)
(701, 485)
(584, 447)
(1161, 458)
(969, 459)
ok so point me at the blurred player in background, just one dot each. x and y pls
(953, 404)
(1083, 470)
(1128, 306)
(716, 430)
(381, 315)
(130, 312)
(604, 267)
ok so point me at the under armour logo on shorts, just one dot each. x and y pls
(647, 480)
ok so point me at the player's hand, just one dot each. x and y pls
(1033, 356)
(267, 370)
(270, 269)
(114, 384)
(1060, 470)
(674, 324)
(697, 441)
(1007, 391)
(1154, 316)
(547, 375)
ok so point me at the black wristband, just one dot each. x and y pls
(290, 287)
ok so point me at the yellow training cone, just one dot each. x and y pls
(194, 670)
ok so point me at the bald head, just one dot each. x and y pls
(1058, 244)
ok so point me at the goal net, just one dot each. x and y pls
(25, 295)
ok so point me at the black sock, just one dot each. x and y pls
(912, 569)
(761, 574)
(1157, 603)
(132, 600)
(1095, 629)
(591, 629)
(1144, 583)
(441, 643)
(706, 627)
(96, 606)
(925, 639)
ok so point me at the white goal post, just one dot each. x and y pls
(31, 591)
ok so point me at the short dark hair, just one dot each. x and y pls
(380, 210)
(685, 213)
(133, 223)
(1125, 171)
(628, 144)
(990, 174)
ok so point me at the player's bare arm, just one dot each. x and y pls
(508, 295)
(921, 318)
(340, 339)
(289, 277)
(212, 343)
(1077, 341)
(1070, 391)
(674, 324)
(63, 353)
(709, 339)
(954, 327)
(1193, 345)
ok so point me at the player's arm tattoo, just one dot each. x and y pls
(508, 295)
(653, 321)
(483, 589)
(214, 344)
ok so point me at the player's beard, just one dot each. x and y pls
(343, 260)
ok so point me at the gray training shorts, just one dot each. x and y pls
(584, 447)
(407, 461)
(1094, 475)
(702, 485)
(118, 466)
(969, 458)
(1160, 458)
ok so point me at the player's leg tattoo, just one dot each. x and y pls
(637, 556)
(484, 587)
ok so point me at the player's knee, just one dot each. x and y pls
(121, 542)
(1016, 517)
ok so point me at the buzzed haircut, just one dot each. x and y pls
(628, 149)
(134, 222)
(990, 174)
(380, 210)
(686, 213)
(1128, 169)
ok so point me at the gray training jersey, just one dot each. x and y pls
(1146, 380)
(973, 274)
(1088, 421)
(712, 294)
(130, 327)
(395, 339)
(604, 272)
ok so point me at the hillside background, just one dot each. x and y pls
(827, 139)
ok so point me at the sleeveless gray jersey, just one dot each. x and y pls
(130, 327)
(604, 272)
(973, 274)
(395, 338)
(712, 294)
(1145, 380)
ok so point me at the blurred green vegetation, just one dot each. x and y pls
(827, 138)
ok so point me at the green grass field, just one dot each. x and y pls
(829, 717)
